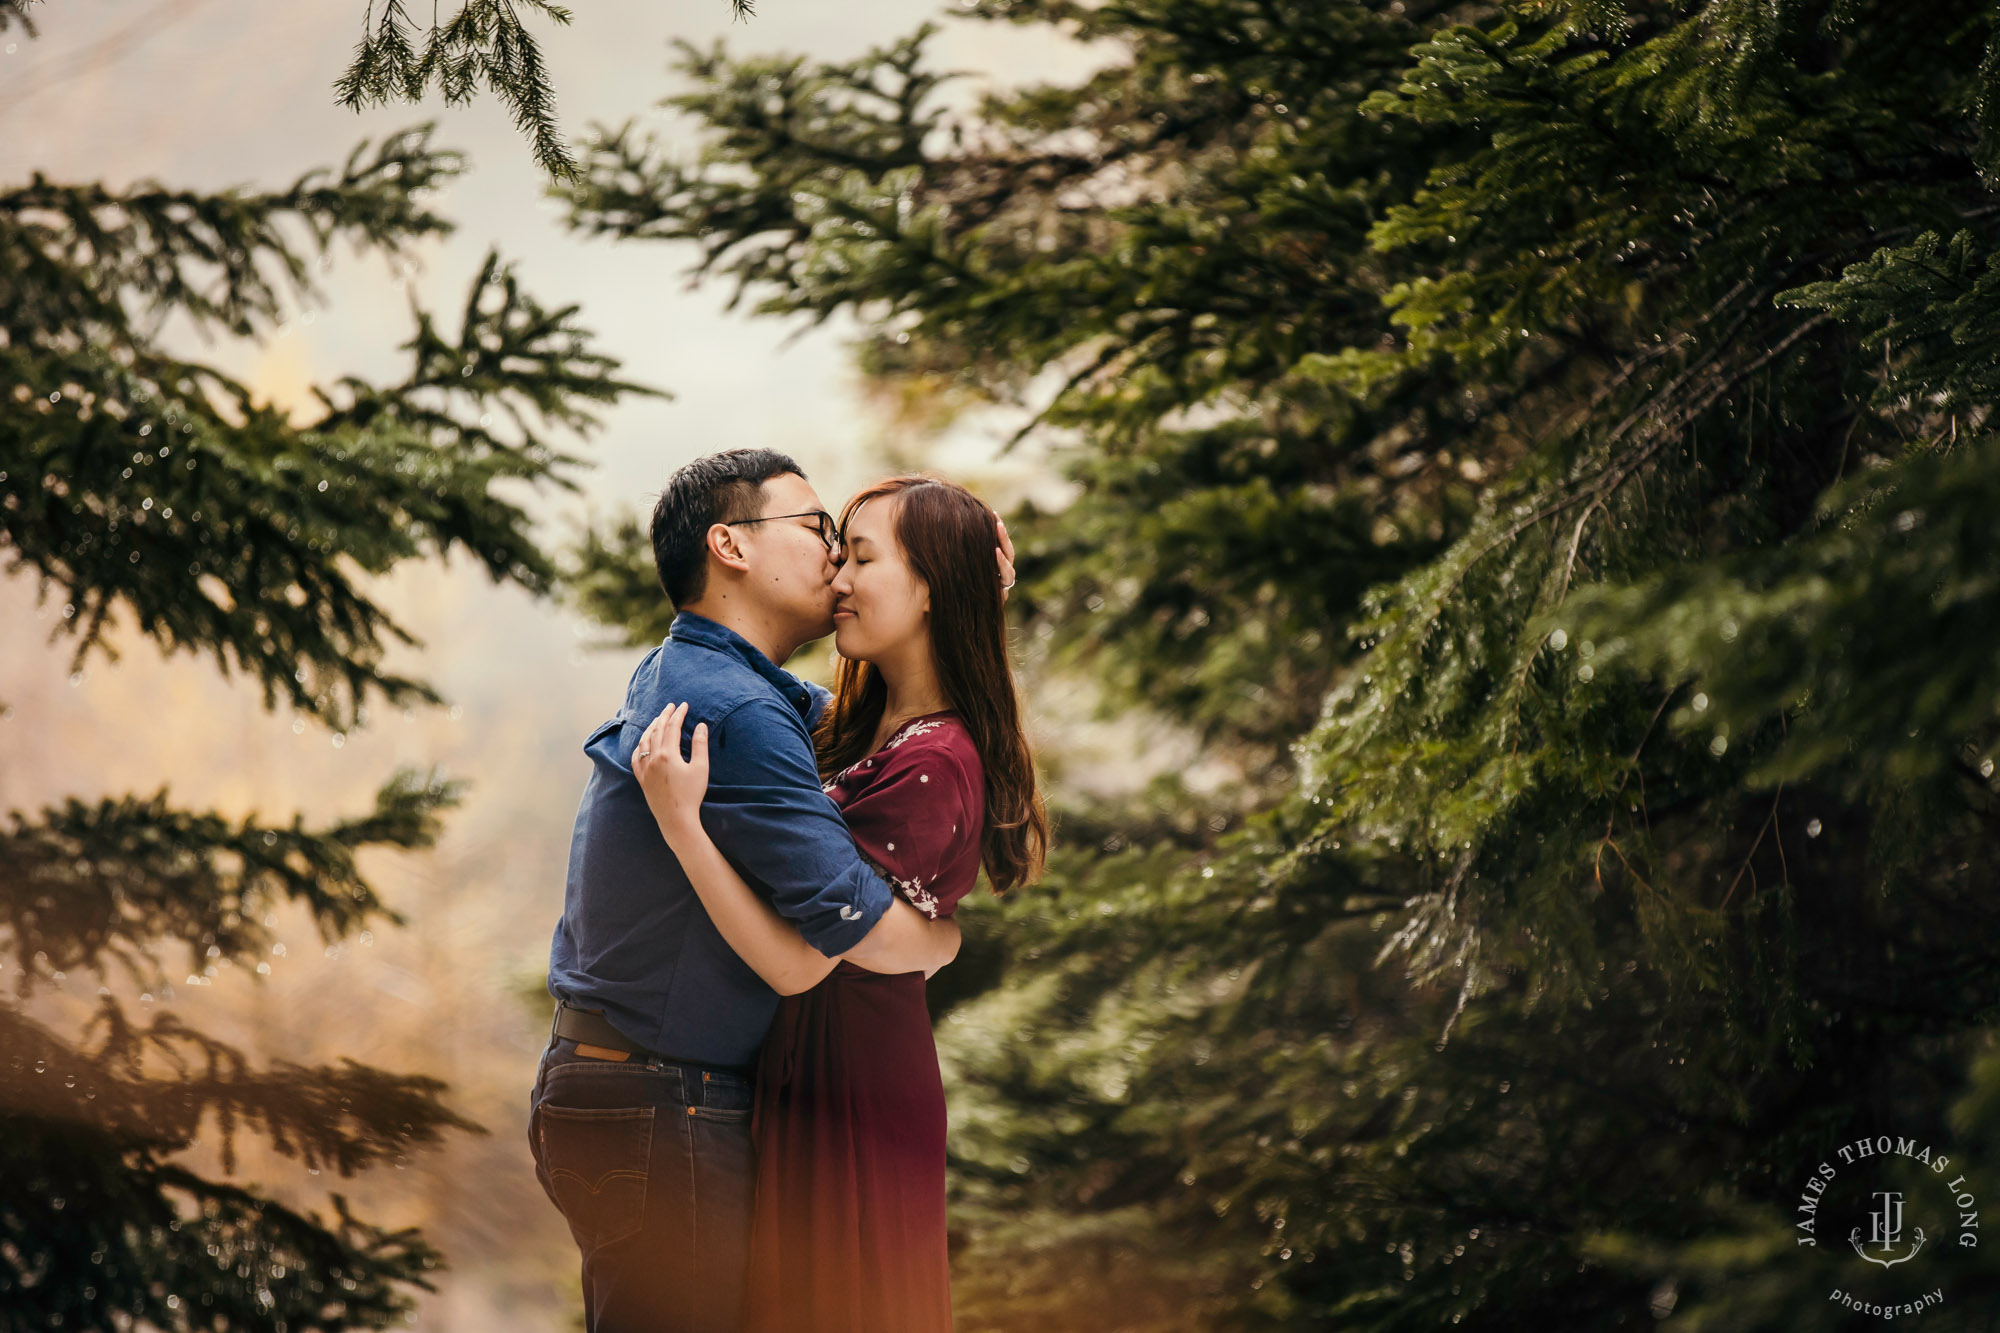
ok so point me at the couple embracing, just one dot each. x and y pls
(739, 1112)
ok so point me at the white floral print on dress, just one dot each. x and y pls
(920, 898)
(916, 728)
(909, 729)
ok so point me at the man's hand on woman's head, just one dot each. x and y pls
(674, 786)
(1004, 552)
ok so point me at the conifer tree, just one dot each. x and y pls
(1549, 446)
(150, 494)
(483, 43)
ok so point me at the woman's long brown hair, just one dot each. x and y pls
(947, 535)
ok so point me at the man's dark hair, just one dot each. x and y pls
(721, 488)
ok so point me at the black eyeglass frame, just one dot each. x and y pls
(829, 527)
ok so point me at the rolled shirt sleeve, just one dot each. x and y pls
(766, 812)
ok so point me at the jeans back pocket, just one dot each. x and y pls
(596, 1161)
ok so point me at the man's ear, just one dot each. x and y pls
(724, 544)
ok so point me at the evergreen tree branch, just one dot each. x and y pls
(484, 41)
(92, 1129)
(138, 484)
(224, 260)
(248, 534)
(110, 885)
(611, 577)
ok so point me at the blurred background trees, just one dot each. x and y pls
(152, 495)
(1547, 449)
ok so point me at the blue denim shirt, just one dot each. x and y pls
(634, 939)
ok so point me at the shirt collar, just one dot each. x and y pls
(689, 627)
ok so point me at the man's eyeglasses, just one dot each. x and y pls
(829, 531)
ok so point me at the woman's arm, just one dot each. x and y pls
(770, 944)
(760, 937)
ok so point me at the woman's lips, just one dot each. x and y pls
(840, 611)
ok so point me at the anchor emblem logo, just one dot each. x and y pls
(1885, 1230)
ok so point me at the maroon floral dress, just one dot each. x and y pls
(850, 1120)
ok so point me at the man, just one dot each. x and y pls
(639, 1119)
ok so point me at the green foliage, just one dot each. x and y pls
(132, 477)
(613, 579)
(150, 490)
(89, 886)
(1776, 632)
(1549, 446)
(101, 1225)
(484, 41)
(1168, 264)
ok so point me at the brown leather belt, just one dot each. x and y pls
(595, 1037)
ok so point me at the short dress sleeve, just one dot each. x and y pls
(916, 812)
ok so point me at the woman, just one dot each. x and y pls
(922, 750)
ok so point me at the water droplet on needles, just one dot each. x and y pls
(1812, 828)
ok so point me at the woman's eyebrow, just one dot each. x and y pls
(858, 540)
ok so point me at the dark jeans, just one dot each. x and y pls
(652, 1167)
